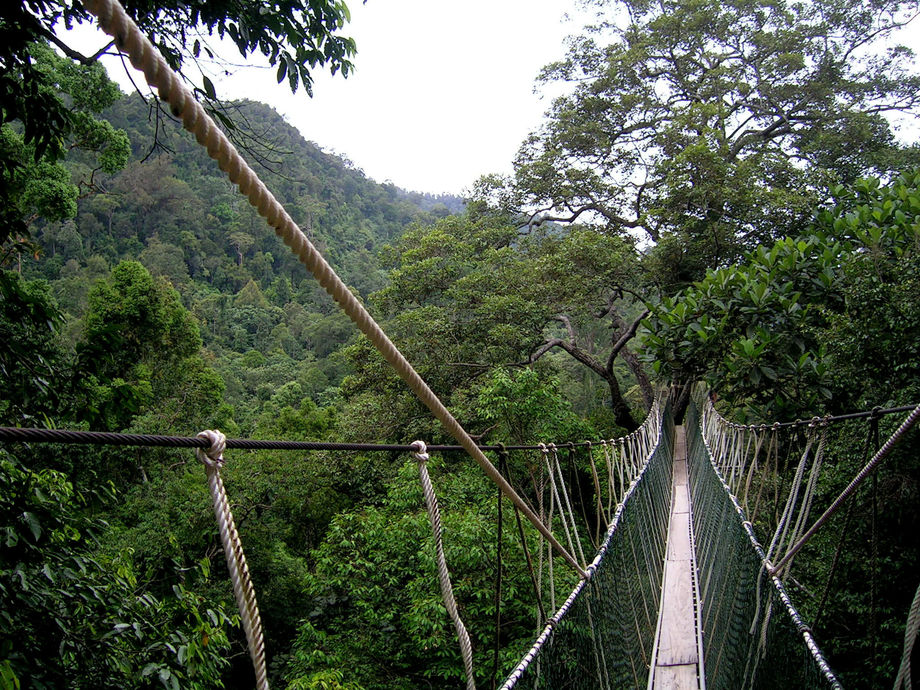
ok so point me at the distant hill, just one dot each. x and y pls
(172, 209)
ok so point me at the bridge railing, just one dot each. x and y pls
(602, 636)
(753, 637)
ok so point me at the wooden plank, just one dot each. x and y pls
(677, 634)
(680, 472)
(676, 661)
(679, 537)
(680, 443)
(680, 501)
(681, 677)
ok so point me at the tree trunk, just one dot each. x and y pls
(621, 411)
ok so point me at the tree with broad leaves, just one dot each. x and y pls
(709, 127)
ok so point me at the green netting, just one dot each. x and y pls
(752, 635)
(602, 636)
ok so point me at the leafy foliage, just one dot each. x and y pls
(794, 329)
(377, 616)
(35, 183)
(78, 619)
(710, 127)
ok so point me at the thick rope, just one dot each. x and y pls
(447, 591)
(903, 679)
(213, 458)
(115, 22)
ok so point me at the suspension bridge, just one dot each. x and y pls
(679, 594)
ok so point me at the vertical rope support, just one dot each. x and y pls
(600, 517)
(245, 595)
(568, 518)
(447, 592)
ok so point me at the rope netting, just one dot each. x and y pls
(602, 635)
(752, 635)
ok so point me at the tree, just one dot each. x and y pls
(74, 617)
(35, 183)
(296, 36)
(470, 293)
(30, 354)
(825, 322)
(140, 354)
(709, 127)
(376, 616)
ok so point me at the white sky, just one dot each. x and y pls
(442, 93)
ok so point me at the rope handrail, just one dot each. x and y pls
(697, 442)
(652, 426)
(11, 434)
(829, 419)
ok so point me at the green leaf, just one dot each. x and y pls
(209, 88)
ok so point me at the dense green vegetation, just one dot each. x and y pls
(139, 293)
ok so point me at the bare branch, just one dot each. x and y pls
(565, 321)
(624, 338)
(575, 351)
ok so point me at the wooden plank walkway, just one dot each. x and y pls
(676, 657)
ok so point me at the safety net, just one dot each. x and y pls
(602, 636)
(752, 635)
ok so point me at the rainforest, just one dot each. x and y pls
(719, 202)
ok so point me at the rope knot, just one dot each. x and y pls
(214, 455)
(420, 451)
(543, 448)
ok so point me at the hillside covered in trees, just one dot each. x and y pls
(727, 204)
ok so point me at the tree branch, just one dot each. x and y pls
(73, 54)
(624, 338)
(575, 351)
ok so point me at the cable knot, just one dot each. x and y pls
(543, 448)
(212, 456)
(420, 451)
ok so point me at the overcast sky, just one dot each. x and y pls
(442, 93)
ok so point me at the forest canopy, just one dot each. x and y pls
(719, 197)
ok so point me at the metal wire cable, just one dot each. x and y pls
(109, 438)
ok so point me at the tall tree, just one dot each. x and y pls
(709, 127)
(33, 180)
(471, 293)
(828, 321)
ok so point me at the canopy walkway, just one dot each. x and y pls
(680, 593)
